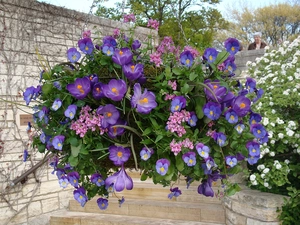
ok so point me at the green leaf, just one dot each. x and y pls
(80, 103)
(154, 123)
(73, 160)
(84, 151)
(147, 131)
(199, 107)
(73, 141)
(168, 73)
(144, 177)
(193, 76)
(233, 189)
(222, 56)
(76, 149)
(179, 163)
(41, 148)
(185, 89)
(46, 89)
(158, 138)
(177, 71)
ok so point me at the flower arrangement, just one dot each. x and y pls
(169, 112)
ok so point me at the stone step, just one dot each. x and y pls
(81, 218)
(201, 212)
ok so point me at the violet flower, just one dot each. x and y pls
(239, 127)
(232, 46)
(189, 158)
(28, 94)
(80, 196)
(210, 54)
(162, 166)
(253, 148)
(212, 110)
(193, 119)
(108, 50)
(133, 72)
(119, 155)
(80, 88)
(203, 150)
(220, 138)
(109, 41)
(97, 91)
(114, 131)
(63, 181)
(73, 178)
(56, 104)
(187, 58)
(122, 56)
(136, 45)
(250, 84)
(231, 116)
(25, 155)
(258, 130)
(73, 55)
(241, 105)
(178, 103)
(215, 91)
(175, 192)
(102, 203)
(231, 160)
(145, 102)
(259, 94)
(110, 115)
(97, 179)
(205, 189)
(71, 111)
(119, 180)
(86, 45)
(146, 153)
(57, 142)
(254, 118)
(115, 89)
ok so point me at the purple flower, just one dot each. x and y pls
(73, 55)
(129, 18)
(121, 201)
(212, 110)
(118, 155)
(63, 181)
(136, 44)
(86, 45)
(214, 91)
(73, 178)
(178, 103)
(97, 179)
(28, 94)
(119, 181)
(56, 104)
(193, 119)
(241, 105)
(175, 192)
(252, 159)
(110, 115)
(231, 116)
(186, 58)
(115, 89)
(57, 142)
(71, 111)
(146, 153)
(250, 84)
(232, 46)
(229, 65)
(227, 100)
(259, 94)
(231, 160)
(108, 50)
(114, 131)
(80, 88)
(254, 118)
(239, 127)
(210, 54)
(25, 155)
(209, 164)
(57, 85)
(253, 148)
(133, 72)
(239, 156)
(220, 138)
(264, 139)
(122, 56)
(202, 150)
(145, 102)
(110, 41)
(258, 130)
(205, 189)
(98, 91)
(189, 158)
(162, 166)
(80, 196)
(102, 203)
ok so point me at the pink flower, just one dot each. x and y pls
(86, 34)
(153, 24)
(173, 84)
(129, 18)
(194, 52)
(169, 97)
(175, 147)
(156, 58)
(116, 33)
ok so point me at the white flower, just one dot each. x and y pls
(261, 167)
(272, 124)
(290, 133)
(262, 175)
(279, 121)
(273, 111)
(272, 142)
(278, 166)
(290, 78)
(280, 135)
(271, 103)
(252, 177)
(267, 48)
(285, 92)
(254, 182)
(267, 150)
(266, 170)
(286, 161)
(266, 184)
(270, 134)
(272, 154)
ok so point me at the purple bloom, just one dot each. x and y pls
(241, 105)
(121, 201)
(97, 179)
(133, 72)
(259, 94)
(86, 45)
(129, 18)
(250, 84)
(25, 155)
(122, 56)
(232, 46)
(263, 140)
(210, 54)
(108, 50)
(231, 160)
(80, 88)
(212, 110)
(110, 113)
(63, 182)
(205, 189)
(175, 192)
(227, 100)
(71, 111)
(119, 180)
(202, 150)
(118, 155)
(102, 203)
(209, 164)
(239, 127)
(178, 103)
(57, 85)
(258, 130)
(214, 92)
(60, 172)
(186, 58)
(110, 41)
(73, 178)
(136, 44)
(98, 91)
(239, 156)
(115, 89)
(252, 159)
(231, 116)
(253, 148)
(73, 55)
(80, 196)
(254, 118)
(189, 158)
(220, 138)
(28, 94)
(114, 131)
(44, 138)
(162, 166)
(193, 119)
(56, 104)
(57, 142)
(146, 153)
(145, 102)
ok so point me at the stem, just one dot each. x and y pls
(129, 128)
(103, 155)
(225, 168)
(133, 152)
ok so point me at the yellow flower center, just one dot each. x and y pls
(162, 169)
(86, 48)
(232, 48)
(211, 113)
(108, 52)
(108, 114)
(74, 181)
(191, 161)
(187, 61)
(210, 58)
(120, 52)
(144, 100)
(258, 131)
(242, 105)
(115, 90)
(232, 117)
(145, 156)
(132, 68)
(120, 154)
(79, 87)
(98, 90)
(215, 86)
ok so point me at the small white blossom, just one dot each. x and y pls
(262, 175)
(266, 170)
(290, 133)
(286, 161)
(290, 78)
(278, 166)
(280, 135)
(272, 154)
(272, 142)
(252, 177)
(279, 121)
(261, 167)
(271, 103)
(266, 184)
(272, 124)
(267, 150)
(285, 92)
(254, 182)
(273, 111)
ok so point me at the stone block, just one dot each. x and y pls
(34, 209)
(50, 204)
(257, 222)
(235, 218)
(64, 197)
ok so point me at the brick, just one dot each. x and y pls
(49, 205)
(34, 209)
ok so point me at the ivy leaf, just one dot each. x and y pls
(75, 149)
(73, 160)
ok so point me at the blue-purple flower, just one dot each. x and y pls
(250, 84)
(110, 115)
(114, 130)
(80, 88)
(25, 155)
(162, 166)
(146, 153)
(259, 94)
(178, 103)
(220, 138)
(239, 127)
(97, 179)
(58, 141)
(187, 58)
(86, 45)
(133, 71)
(231, 160)
(189, 158)
(56, 104)
(102, 203)
(210, 54)
(108, 50)
(241, 105)
(252, 159)
(97, 91)
(70, 112)
(254, 118)
(143, 102)
(57, 85)
(231, 116)
(258, 130)
(118, 154)
(122, 56)
(232, 46)
(119, 180)
(193, 119)
(115, 89)
(73, 178)
(214, 91)
(80, 196)
(73, 55)
(202, 150)
(212, 110)
(28, 94)
(136, 44)
(205, 189)
(253, 148)
(175, 192)
(63, 181)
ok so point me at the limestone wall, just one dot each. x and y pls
(34, 36)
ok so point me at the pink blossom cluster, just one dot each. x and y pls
(176, 119)
(86, 34)
(156, 58)
(210, 133)
(177, 146)
(116, 33)
(153, 24)
(87, 121)
(194, 52)
(167, 46)
(169, 97)
(129, 18)
(172, 84)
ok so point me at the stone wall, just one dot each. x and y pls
(34, 36)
